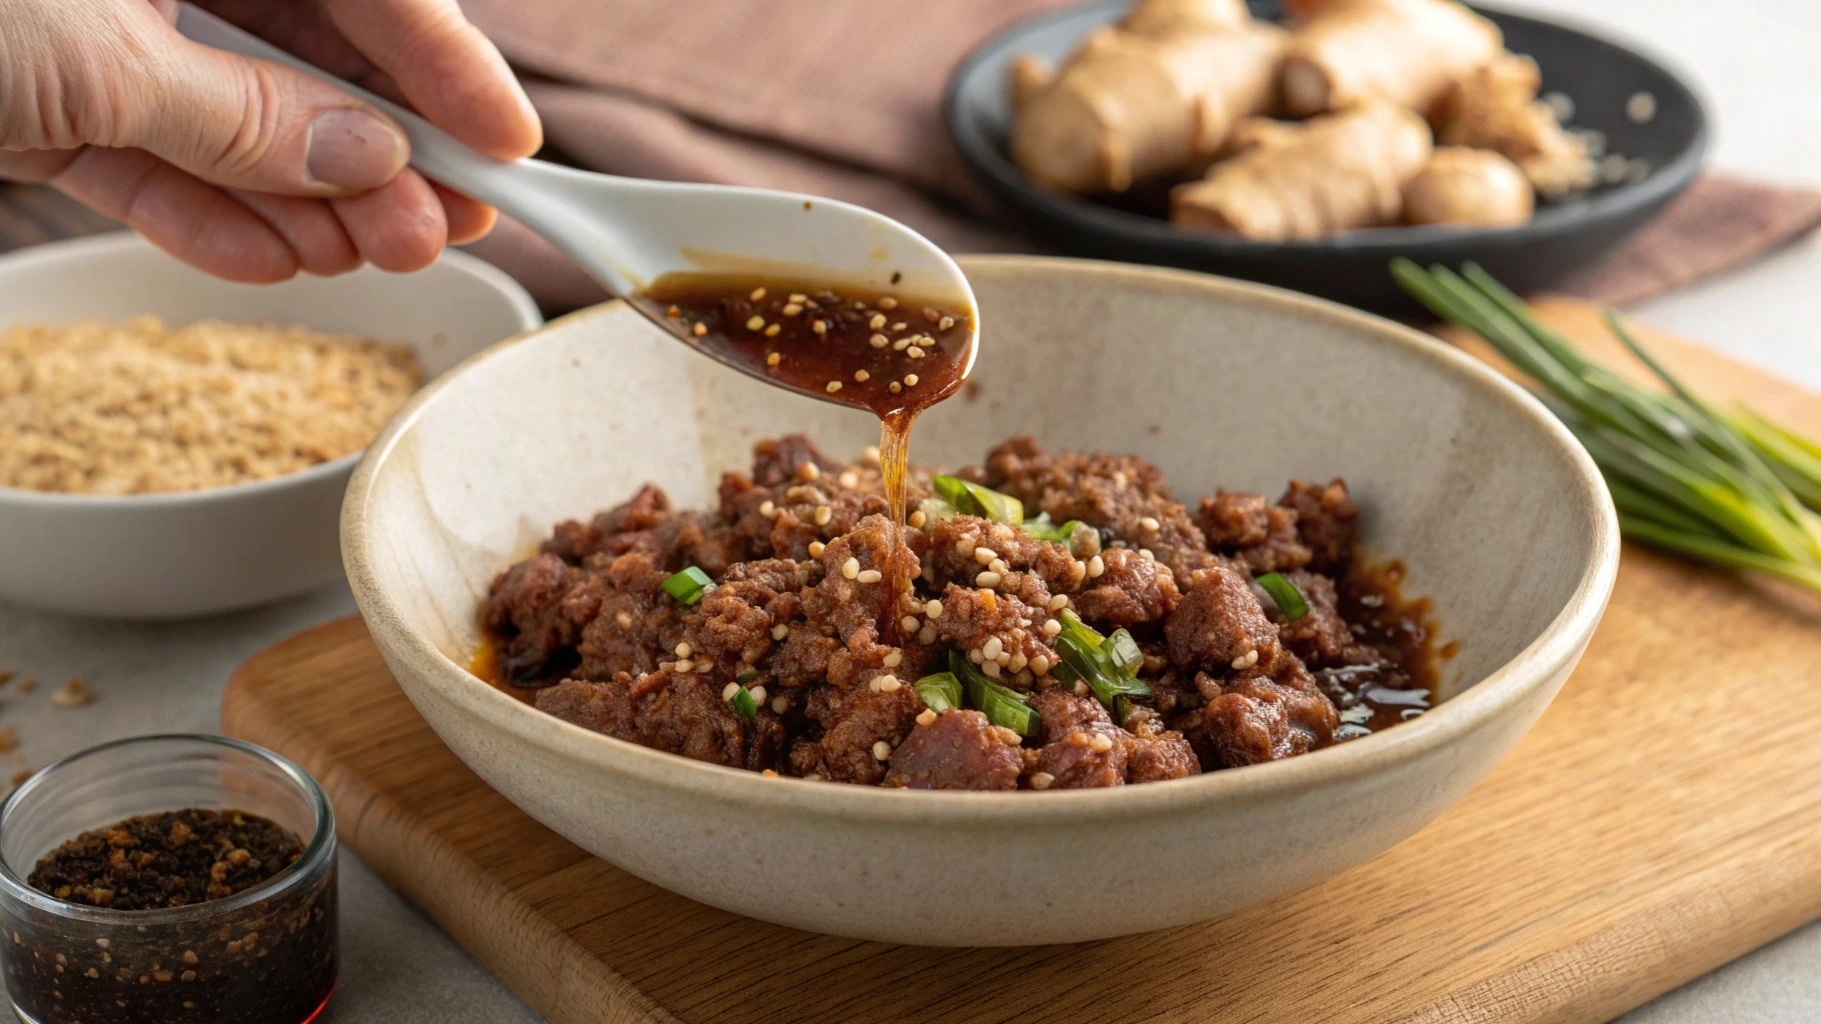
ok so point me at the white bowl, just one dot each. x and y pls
(199, 552)
(1499, 514)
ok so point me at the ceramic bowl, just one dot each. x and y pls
(1598, 75)
(1497, 512)
(164, 556)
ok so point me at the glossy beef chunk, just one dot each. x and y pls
(804, 616)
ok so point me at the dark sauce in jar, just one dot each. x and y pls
(268, 961)
(892, 355)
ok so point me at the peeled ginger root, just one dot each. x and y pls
(1127, 106)
(1495, 107)
(1469, 187)
(1173, 17)
(1406, 51)
(1337, 172)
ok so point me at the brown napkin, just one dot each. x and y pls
(841, 98)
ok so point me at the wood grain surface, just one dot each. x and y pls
(1663, 817)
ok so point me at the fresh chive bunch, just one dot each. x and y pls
(1731, 489)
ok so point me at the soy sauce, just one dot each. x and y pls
(893, 355)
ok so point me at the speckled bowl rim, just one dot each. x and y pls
(1493, 696)
(75, 251)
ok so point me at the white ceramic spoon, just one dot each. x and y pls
(628, 232)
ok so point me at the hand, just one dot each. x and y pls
(246, 169)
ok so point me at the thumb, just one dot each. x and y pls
(251, 124)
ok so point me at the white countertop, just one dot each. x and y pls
(1755, 62)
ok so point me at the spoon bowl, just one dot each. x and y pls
(629, 232)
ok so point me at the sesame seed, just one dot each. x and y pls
(755, 323)
(773, 359)
(1147, 554)
(931, 313)
(770, 773)
(772, 331)
(1040, 664)
(683, 650)
(927, 636)
(820, 327)
(917, 519)
(926, 717)
(886, 683)
(1059, 602)
(1006, 736)
(991, 668)
(1101, 742)
(848, 479)
(871, 454)
(894, 387)
(882, 751)
(987, 580)
(1150, 523)
(809, 471)
(728, 692)
(859, 303)
(798, 297)
(780, 631)
(909, 624)
(878, 341)
(1246, 660)
(992, 647)
(685, 665)
(861, 376)
(894, 659)
(673, 312)
(985, 555)
(900, 345)
(914, 353)
(964, 547)
(877, 321)
(758, 293)
(910, 380)
(834, 386)
(816, 548)
(945, 323)
(1042, 780)
(887, 302)
(767, 509)
(870, 576)
(624, 619)
(899, 326)
(792, 309)
(1119, 478)
(780, 704)
(699, 329)
(1096, 566)
(1018, 662)
(1052, 627)
(851, 567)
(998, 565)
(758, 695)
(1004, 659)
(976, 656)
(823, 512)
(933, 609)
(1081, 688)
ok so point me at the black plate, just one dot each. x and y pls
(1600, 77)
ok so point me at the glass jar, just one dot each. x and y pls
(264, 956)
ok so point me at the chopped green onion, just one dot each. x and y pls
(1730, 489)
(746, 676)
(1108, 666)
(1124, 653)
(972, 499)
(1122, 709)
(940, 691)
(1002, 706)
(935, 510)
(1289, 599)
(744, 704)
(1042, 529)
(688, 586)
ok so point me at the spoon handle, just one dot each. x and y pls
(434, 152)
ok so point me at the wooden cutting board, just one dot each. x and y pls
(1663, 818)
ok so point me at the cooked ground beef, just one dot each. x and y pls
(803, 615)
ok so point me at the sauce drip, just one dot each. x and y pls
(892, 355)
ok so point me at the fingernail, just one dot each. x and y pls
(352, 149)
